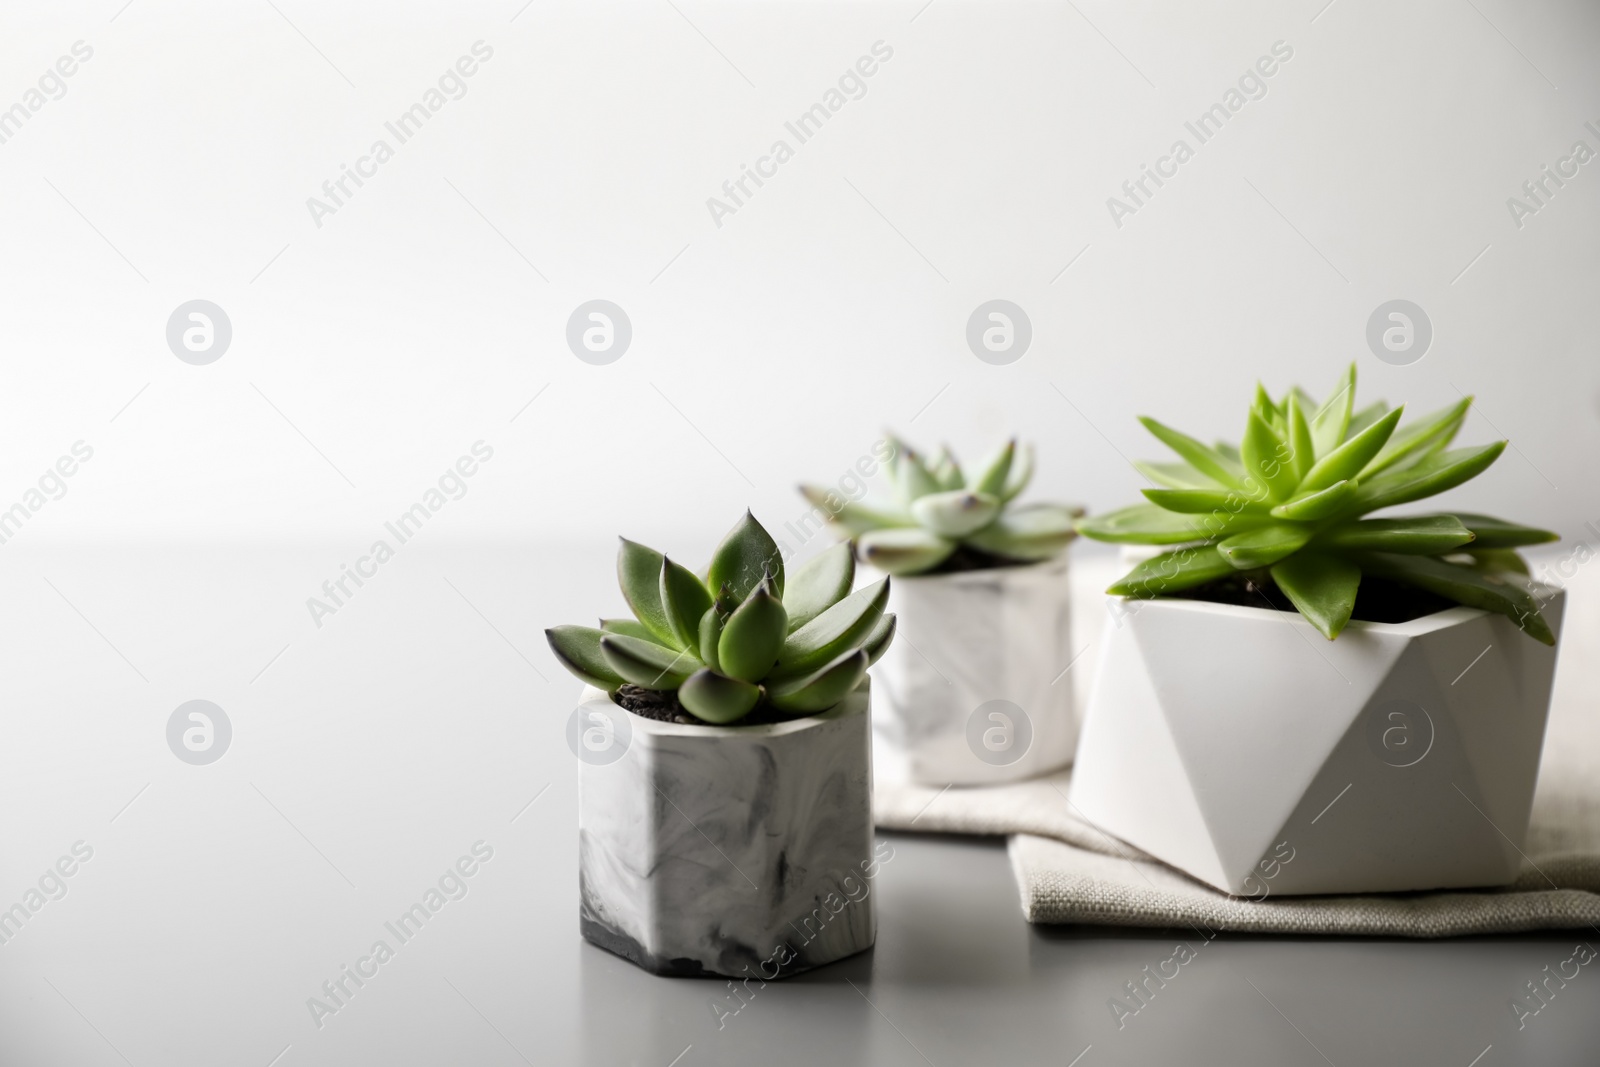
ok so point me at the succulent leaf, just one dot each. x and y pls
(1265, 545)
(853, 517)
(647, 664)
(1171, 572)
(1332, 420)
(912, 477)
(683, 601)
(878, 641)
(1317, 504)
(1432, 432)
(993, 479)
(1032, 533)
(822, 689)
(836, 631)
(1147, 524)
(1175, 475)
(717, 698)
(1267, 410)
(1208, 461)
(746, 556)
(639, 574)
(1302, 450)
(957, 513)
(1021, 474)
(1368, 415)
(577, 648)
(1432, 535)
(1351, 457)
(819, 583)
(1464, 585)
(1322, 587)
(945, 470)
(1266, 461)
(1428, 478)
(630, 627)
(753, 635)
(1503, 560)
(1204, 501)
(904, 551)
(1489, 532)
(711, 624)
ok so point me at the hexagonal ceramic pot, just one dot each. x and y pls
(972, 691)
(743, 851)
(1239, 745)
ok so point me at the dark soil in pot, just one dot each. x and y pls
(1377, 600)
(662, 705)
(965, 558)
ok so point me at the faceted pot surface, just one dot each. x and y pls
(973, 689)
(744, 851)
(1240, 746)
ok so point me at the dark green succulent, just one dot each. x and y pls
(798, 646)
(1291, 501)
(937, 510)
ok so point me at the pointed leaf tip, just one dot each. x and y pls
(819, 583)
(744, 557)
(639, 575)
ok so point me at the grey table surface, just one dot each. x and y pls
(424, 717)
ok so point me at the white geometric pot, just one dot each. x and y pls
(742, 851)
(1239, 745)
(972, 690)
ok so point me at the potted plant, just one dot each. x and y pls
(725, 822)
(971, 695)
(1301, 698)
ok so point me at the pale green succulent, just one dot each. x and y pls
(797, 647)
(938, 511)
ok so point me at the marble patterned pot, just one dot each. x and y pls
(742, 851)
(972, 691)
(1242, 747)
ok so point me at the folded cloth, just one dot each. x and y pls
(1068, 871)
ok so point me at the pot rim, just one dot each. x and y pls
(857, 702)
(1051, 566)
(1439, 620)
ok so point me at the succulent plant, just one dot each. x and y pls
(938, 510)
(739, 636)
(1291, 501)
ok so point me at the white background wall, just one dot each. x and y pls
(420, 318)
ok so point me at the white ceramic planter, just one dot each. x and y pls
(743, 851)
(1239, 745)
(972, 646)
